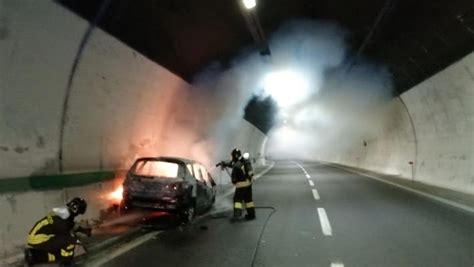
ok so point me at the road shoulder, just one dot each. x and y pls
(461, 201)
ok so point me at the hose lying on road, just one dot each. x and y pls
(254, 256)
(223, 215)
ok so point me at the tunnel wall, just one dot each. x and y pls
(119, 106)
(431, 125)
(117, 110)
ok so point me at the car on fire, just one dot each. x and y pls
(176, 185)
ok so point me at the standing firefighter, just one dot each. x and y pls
(52, 239)
(241, 175)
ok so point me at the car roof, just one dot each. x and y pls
(170, 159)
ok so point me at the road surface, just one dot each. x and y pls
(324, 217)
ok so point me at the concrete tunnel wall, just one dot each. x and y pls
(431, 125)
(118, 108)
(116, 90)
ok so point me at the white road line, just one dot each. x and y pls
(297, 164)
(325, 225)
(123, 249)
(440, 199)
(307, 176)
(337, 264)
(315, 194)
(311, 183)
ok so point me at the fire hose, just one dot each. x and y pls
(259, 241)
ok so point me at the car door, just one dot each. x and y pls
(213, 188)
(209, 187)
(201, 187)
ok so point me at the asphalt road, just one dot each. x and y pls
(368, 224)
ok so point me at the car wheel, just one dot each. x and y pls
(188, 213)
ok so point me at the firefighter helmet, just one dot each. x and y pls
(77, 206)
(236, 154)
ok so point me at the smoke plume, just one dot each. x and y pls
(343, 100)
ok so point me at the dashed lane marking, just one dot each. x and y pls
(315, 194)
(311, 183)
(337, 264)
(325, 225)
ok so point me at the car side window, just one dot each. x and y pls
(205, 175)
(190, 169)
(198, 174)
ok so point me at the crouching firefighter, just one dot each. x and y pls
(241, 175)
(53, 238)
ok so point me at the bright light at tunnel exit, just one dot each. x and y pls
(286, 87)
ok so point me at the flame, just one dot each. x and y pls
(116, 195)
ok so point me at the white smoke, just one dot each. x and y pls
(347, 99)
(339, 105)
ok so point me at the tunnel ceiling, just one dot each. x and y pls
(414, 38)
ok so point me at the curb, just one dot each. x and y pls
(95, 250)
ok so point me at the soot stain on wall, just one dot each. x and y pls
(20, 149)
(40, 143)
(12, 201)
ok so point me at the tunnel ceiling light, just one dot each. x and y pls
(287, 88)
(249, 4)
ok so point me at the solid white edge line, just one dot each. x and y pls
(325, 225)
(445, 201)
(337, 264)
(315, 194)
(264, 171)
(123, 249)
(311, 183)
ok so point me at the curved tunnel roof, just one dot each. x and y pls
(414, 38)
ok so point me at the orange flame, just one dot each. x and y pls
(116, 195)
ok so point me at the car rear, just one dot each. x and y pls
(155, 183)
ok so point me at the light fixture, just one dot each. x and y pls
(249, 4)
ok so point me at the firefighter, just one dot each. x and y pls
(53, 239)
(241, 175)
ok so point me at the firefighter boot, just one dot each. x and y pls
(250, 214)
(29, 257)
(237, 214)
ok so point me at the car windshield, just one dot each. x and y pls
(156, 168)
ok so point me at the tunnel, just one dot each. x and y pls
(357, 119)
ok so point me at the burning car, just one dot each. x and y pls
(176, 185)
